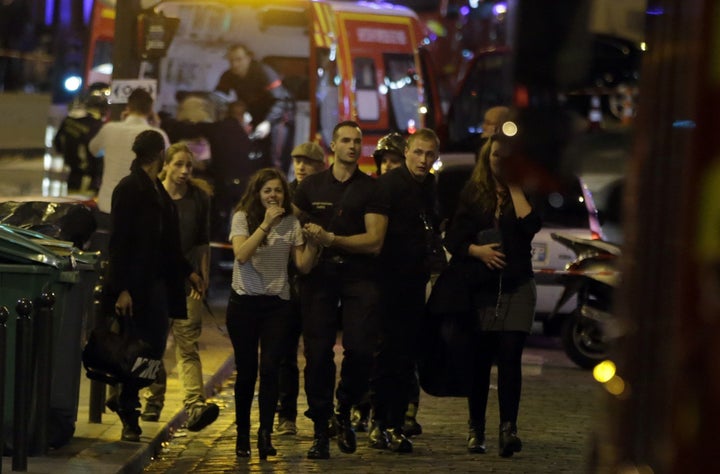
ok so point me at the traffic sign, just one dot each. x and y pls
(120, 89)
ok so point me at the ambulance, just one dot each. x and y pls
(357, 61)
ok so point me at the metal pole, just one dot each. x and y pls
(44, 325)
(23, 384)
(97, 389)
(4, 314)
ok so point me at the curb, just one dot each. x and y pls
(144, 455)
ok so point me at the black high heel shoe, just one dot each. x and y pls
(242, 446)
(264, 444)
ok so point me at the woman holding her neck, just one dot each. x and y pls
(492, 230)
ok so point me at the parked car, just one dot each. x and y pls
(569, 210)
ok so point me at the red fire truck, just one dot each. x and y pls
(341, 60)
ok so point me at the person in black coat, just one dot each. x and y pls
(491, 235)
(146, 269)
(410, 193)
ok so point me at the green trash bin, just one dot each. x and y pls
(30, 264)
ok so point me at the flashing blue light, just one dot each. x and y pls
(655, 11)
(72, 83)
(500, 9)
(683, 124)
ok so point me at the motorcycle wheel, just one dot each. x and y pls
(583, 341)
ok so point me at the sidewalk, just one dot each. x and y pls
(97, 449)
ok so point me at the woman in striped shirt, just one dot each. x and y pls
(264, 235)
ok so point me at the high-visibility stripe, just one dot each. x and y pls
(273, 84)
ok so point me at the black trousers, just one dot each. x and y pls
(152, 325)
(394, 380)
(253, 321)
(321, 292)
(289, 372)
(504, 347)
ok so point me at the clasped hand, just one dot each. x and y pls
(492, 256)
(318, 235)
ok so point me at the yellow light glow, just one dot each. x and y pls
(510, 129)
(604, 371)
(615, 385)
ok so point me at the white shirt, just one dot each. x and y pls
(266, 271)
(115, 140)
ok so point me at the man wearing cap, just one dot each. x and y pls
(308, 158)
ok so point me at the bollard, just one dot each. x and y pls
(23, 384)
(97, 389)
(43, 345)
(4, 314)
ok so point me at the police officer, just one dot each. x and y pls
(347, 216)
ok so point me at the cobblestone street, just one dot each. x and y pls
(558, 414)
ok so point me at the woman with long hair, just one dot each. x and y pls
(492, 230)
(264, 235)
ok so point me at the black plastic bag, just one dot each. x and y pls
(70, 221)
(113, 357)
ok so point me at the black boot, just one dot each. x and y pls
(378, 437)
(509, 441)
(398, 442)
(476, 438)
(346, 439)
(264, 444)
(411, 426)
(320, 448)
(131, 429)
(242, 445)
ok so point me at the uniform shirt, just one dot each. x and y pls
(340, 207)
(266, 271)
(115, 140)
(409, 200)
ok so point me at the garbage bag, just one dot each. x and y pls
(69, 221)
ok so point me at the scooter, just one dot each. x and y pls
(588, 332)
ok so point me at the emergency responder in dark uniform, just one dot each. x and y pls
(346, 215)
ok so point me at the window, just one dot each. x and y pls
(327, 94)
(366, 91)
(402, 90)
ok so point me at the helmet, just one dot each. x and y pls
(392, 142)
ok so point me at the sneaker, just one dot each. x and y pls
(151, 412)
(286, 427)
(201, 416)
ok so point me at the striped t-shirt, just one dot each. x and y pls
(266, 271)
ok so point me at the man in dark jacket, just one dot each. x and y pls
(269, 102)
(147, 269)
(410, 193)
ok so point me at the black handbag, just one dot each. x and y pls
(445, 360)
(119, 357)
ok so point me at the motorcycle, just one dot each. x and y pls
(588, 332)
